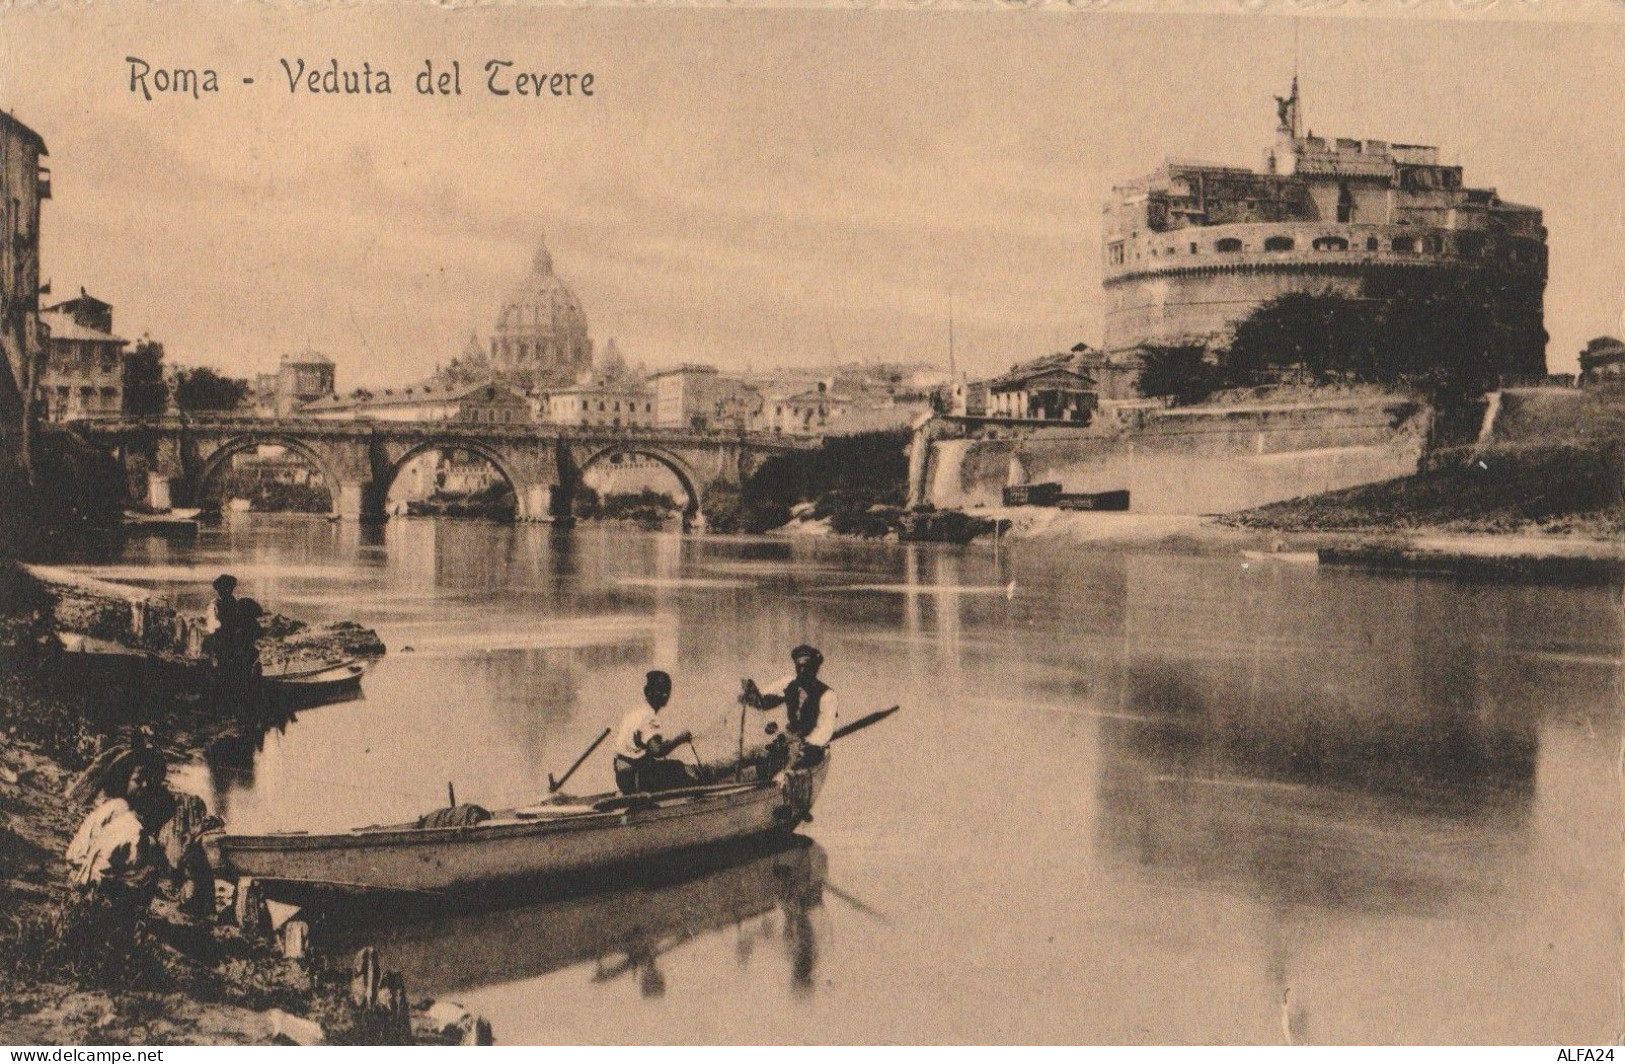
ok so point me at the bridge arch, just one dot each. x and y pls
(460, 443)
(679, 468)
(216, 462)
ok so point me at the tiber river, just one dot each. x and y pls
(1131, 797)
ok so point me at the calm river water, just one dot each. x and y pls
(1131, 797)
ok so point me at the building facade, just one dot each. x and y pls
(1193, 248)
(83, 375)
(604, 404)
(541, 336)
(1053, 388)
(299, 379)
(803, 413)
(26, 184)
(487, 403)
(695, 396)
(1602, 361)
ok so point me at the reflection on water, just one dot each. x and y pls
(763, 901)
(1130, 798)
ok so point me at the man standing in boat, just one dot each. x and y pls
(809, 705)
(641, 764)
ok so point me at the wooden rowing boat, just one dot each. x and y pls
(298, 687)
(558, 839)
(315, 686)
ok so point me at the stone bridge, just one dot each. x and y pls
(181, 456)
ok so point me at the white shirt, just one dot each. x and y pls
(828, 713)
(637, 728)
(111, 842)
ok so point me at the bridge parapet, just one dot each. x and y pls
(360, 459)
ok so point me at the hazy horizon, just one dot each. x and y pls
(762, 187)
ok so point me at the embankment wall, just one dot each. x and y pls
(1194, 460)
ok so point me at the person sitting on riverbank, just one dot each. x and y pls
(641, 764)
(116, 855)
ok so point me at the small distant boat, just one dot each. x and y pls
(1283, 557)
(1096, 500)
(171, 521)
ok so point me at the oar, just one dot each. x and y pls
(553, 785)
(857, 903)
(863, 722)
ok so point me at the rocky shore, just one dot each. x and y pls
(221, 978)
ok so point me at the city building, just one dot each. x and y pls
(1602, 361)
(803, 413)
(968, 399)
(1193, 248)
(488, 403)
(299, 379)
(698, 397)
(272, 464)
(603, 403)
(541, 331)
(1052, 388)
(26, 184)
(83, 374)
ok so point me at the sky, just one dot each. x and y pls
(746, 188)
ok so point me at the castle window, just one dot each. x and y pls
(1432, 245)
(1228, 244)
(1278, 243)
(1371, 243)
(1404, 244)
(1193, 249)
(1331, 243)
(1114, 253)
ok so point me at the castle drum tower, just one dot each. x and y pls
(1193, 248)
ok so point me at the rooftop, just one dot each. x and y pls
(63, 327)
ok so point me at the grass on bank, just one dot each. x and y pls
(1568, 489)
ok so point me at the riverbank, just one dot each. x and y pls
(184, 979)
(1539, 555)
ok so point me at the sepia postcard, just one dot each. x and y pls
(924, 524)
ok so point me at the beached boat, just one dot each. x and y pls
(295, 687)
(315, 686)
(554, 840)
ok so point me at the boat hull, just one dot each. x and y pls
(522, 845)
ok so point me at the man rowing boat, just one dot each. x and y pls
(641, 764)
(809, 705)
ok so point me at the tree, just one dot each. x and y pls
(1183, 372)
(1324, 336)
(204, 389)
(145, 391)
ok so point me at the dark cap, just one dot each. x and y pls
(806, 653)
(225, 582)
(657, 676)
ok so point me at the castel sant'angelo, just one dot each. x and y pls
(1193, 248)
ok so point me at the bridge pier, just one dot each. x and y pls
(350, 500)
(535, 503)
(158, 494)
